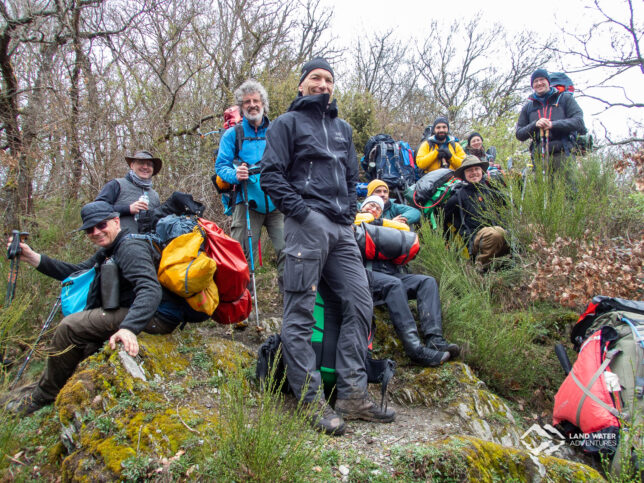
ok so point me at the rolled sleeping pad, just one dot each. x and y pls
(384, 243)
(427, 185)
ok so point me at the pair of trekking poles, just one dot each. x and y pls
(13, 255)
(545, 161)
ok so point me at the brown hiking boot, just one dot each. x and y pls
(365, 409)
(27, 402)
(324, 419)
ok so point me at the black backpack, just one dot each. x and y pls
(383, 159)
(328, 317)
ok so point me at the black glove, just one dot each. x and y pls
(444, 153)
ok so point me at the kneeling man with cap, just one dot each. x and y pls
(81, 334)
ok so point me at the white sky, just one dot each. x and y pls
(354, 18)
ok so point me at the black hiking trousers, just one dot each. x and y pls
(396, 290)
(315, 248)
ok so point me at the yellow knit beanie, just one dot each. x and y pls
(371, 187)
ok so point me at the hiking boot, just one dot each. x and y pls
(324, 419)
(365, 409)
(427, 357)
(26, 404)
(438, 343)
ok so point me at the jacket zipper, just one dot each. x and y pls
(335, 158)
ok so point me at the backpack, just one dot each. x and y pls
(177, 204)
(328, 319)
(582, 141)
(229, 191)
(389, 161)
(605, 387)
(232, 275)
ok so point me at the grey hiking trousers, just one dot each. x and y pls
(317, 248)
(397, 289)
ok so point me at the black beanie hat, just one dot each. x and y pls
(539, 73)
(473, 135)
(311, 65)
(440, 120)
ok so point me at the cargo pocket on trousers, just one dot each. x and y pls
(301, 269)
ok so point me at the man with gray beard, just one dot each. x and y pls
(236, 166)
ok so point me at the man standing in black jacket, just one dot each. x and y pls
(81, 334)
(310, 171)
(551, 120)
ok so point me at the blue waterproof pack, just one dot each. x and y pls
(77, 292)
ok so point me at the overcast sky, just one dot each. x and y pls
(354, 18)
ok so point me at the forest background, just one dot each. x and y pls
(83, 82)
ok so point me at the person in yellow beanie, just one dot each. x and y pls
(393, 211)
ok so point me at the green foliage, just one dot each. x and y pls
(567, 204)
(503, 347)
(259, 438)
(501, 136)
(281, 92)
(358, 109)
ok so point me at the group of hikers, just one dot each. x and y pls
(299, 173)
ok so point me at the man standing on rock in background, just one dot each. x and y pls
(550, 117)
(310, 171)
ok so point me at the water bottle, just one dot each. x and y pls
(110, 285)
(144, 197)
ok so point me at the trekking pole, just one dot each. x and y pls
(250, 246)
(13, 254)
(45, 327)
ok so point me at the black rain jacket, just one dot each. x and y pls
(566, 116)
(310, 162)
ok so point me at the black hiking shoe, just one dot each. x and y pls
(365, 409)
(27, 402)
(438, 343)
(427, 357)
(324, 419)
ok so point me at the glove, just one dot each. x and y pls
(443, 153)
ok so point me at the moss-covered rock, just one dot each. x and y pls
(471, 459)
(112, 420)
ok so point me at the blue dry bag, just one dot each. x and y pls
(76, 291)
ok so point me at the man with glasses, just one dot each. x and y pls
(81, 334)
(240, 151)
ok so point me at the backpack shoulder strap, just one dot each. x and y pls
(239, 139)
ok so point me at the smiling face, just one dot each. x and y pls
(143, 168)
(476, 142)
(440, 130)
(473, 174)
(253, 108)
(541, 86)
(373, 209)
(319, 81)
(104, 233)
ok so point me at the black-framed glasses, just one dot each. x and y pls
(101, 226)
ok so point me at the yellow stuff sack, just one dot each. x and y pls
(185, 269)
(205, 301)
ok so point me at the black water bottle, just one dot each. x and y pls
(110, 285)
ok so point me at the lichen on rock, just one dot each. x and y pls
(108, 416)
(463, 458)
